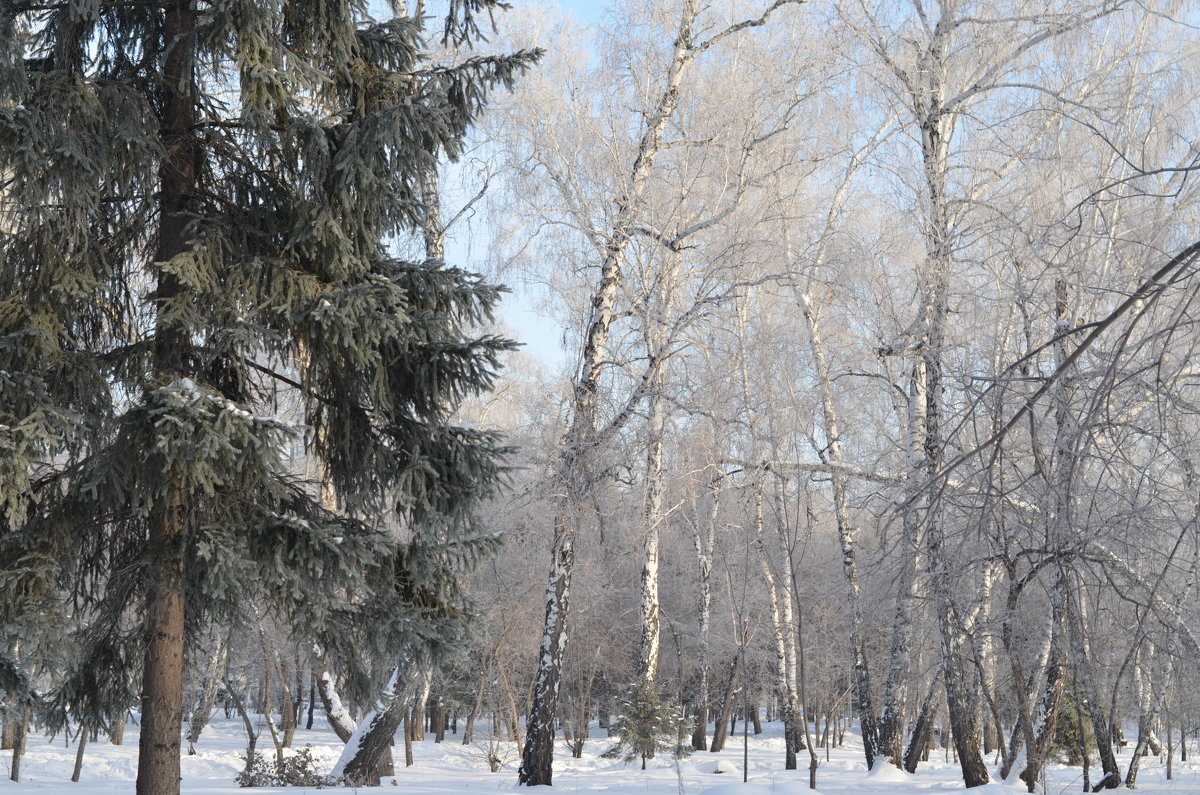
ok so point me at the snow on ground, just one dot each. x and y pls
(453, 768)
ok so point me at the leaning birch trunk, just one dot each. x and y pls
(571, 469)
(1024, 686)
(1081, 654)
(335, 711)
(1045, 717)
(922, 726)
(572, 473)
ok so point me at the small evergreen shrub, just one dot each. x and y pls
(648, 724)
(1067, 731)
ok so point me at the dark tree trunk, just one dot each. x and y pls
(922, 729)
(162, 677)
(162, 672)
(118, 730)
(83, 738)
(18, 747)
(720, 726)
(312, 703)
(251, 735)
(537, 757)
(374, 747)
(700, 735)
(469, 728)
(8, 736)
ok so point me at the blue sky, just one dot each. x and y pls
(541, 336)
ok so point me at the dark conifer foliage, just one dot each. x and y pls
(198, 201)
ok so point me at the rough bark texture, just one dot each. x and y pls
(368, 753)
(162, 672)
(374, 746)
(162, 676)
(18, 748)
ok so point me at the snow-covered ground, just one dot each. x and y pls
(451, 768)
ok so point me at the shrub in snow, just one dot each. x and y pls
(648, 724)
(297, 770)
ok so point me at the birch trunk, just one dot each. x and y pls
(652, 516)
(785, 683)
(1041, 730)
(212, 680)
(705, 545)
(339, 718)
(572, 468)
(832, 453)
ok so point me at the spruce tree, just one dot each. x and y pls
(200, 203)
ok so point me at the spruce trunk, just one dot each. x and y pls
(162, 674)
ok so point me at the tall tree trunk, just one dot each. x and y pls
(162, 673)
(704, 542)
(162, 670)
(873, 743)
(652, 517)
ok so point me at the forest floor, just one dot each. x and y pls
(451, 767)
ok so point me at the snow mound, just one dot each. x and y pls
(723, 766)
(887, 773)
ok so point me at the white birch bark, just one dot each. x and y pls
(704, 542)
(572, 467)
